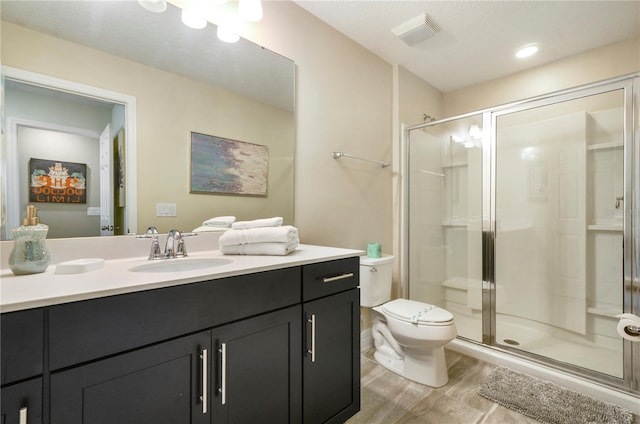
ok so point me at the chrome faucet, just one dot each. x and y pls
(174, 246)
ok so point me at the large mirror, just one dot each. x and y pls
(74, 68)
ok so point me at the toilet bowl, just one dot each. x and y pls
(409, 336)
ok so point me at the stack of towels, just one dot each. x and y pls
(218, 223)
(265, 236)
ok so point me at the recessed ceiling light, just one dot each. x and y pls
(526, 51)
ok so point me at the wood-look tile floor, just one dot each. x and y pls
(387, 398)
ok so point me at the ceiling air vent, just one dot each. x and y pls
(417, 29)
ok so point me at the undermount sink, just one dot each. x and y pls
(180, 264)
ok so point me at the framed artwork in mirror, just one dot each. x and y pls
(223, 166)
(57, 181)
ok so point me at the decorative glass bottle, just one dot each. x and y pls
(29, 254)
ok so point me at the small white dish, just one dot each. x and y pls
(78, 266)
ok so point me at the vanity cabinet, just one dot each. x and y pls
(331, 378)
(163, 383)
(237, 349)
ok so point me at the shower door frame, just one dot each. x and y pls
(630, 84)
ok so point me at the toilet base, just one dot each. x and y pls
(424, 367)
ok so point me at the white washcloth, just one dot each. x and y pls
(220, 221)
(284, 234)
(273, 249)
(276, 221)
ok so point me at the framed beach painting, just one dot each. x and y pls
(223, 166)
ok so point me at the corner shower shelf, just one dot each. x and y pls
(454, 164)
(602, 146)
(603, 312)
(605, 227)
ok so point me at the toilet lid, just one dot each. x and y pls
(417, 312)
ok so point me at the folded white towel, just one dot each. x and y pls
(273, 249)
(220, 221)
(257, 223)
(210, 228)
(284, 234)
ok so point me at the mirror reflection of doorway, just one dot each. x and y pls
(48, 124)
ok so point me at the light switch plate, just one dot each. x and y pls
(165, 209)
(93, 211)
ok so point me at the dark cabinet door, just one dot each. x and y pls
(22, 403)
(331, 377)
(167, 383)
(258, 370)
(22, 343)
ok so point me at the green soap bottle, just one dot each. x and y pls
(29, 254)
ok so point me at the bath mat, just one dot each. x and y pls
(547, 402)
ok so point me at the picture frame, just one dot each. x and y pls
(225, 166)
(57, 181)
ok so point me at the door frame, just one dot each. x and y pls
(129, 102)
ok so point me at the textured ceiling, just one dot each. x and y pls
(478, 38)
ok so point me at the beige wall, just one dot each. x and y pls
(417, 98)
(594, 65)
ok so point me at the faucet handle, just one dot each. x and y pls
(155, 252)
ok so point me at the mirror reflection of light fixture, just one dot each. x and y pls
(226, 35)
(157, 6)
(192, 19)
(475, 132)
(250, 10)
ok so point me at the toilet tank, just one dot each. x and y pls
(375, 280)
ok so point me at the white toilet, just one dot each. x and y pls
(409, 336)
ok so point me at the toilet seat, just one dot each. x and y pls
(417, 312)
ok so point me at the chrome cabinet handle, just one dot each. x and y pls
(23, 415)
(204, 356)
(338, 277)
(312, 351)
(223, 373)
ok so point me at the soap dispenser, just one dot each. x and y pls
(29, 254)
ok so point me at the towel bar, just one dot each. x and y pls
(337, 155)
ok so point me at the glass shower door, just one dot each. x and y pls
(558, 211)
(445, 219)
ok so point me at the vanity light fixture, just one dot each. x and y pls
(157, 6)
(192, 19)
(526, 51)
(250, 10)
(226, 35)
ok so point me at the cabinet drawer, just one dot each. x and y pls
(330, 277)
(83, 331)
(22, 345)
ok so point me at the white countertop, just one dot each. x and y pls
(47, 288)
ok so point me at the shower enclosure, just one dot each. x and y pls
(522, 221)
